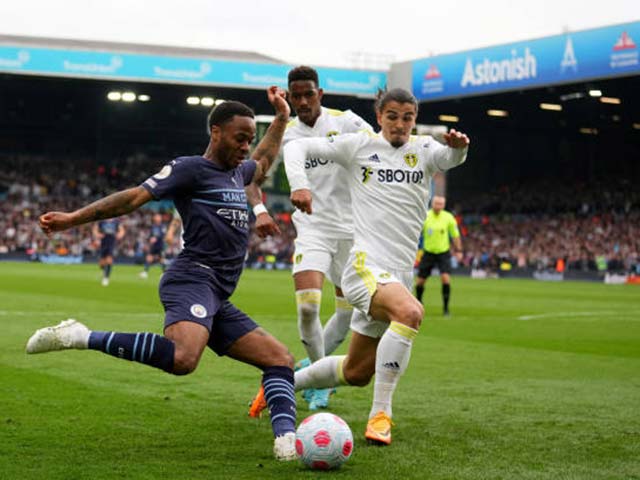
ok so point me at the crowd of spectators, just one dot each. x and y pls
(542, 226)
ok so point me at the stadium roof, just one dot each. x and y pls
(71, 44)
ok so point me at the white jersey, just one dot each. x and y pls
(389, 188)
(331, 212)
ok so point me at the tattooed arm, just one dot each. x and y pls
(116, 204)
(268, 148)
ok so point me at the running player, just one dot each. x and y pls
(155, 253)
(323, 239)
(389, 180)
(208, 192)
(108, 232)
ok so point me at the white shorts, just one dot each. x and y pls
(360, 281)
(322, 254)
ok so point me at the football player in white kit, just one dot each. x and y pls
(389, 179)
(324, 239)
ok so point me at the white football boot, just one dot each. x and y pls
(66, 335)
(284, 447)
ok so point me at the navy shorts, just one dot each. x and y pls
(156, 247)
(106, 246)
(430, 260)
(193, 297)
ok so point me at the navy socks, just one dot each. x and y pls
(147, 348)
(280, 397)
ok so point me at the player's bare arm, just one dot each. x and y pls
(268, 148)
(114, 205)
(96, 232)
(458, 244)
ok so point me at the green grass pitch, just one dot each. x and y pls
(526, 380)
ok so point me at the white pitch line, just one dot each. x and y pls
(568, 314)
(49, 313)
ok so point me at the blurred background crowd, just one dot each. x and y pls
(541, 225)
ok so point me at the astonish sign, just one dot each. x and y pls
(589, 54)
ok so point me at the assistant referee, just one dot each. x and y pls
(439, 229)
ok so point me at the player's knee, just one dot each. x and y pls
(411, 314)
(184, 362)
(285, 359)
(357, 377)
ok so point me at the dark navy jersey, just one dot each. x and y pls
(109, 227)
(215, 217)
(157, 232)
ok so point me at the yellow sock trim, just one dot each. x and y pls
(364, 273)
(403, 330)
(341, 303)
(343, 381)
(309, 296)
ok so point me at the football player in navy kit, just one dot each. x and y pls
(108, 232)
(208, 192)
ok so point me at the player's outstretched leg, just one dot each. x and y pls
(148, 348)
(392, 358)
(66, 335)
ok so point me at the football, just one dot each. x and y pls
(324, 441)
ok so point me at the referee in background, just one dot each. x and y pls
(440, 228)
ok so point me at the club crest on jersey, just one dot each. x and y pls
(411, 159)
(332, 133)
(198, 310)
(384, 275)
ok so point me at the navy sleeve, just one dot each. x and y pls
(174, 177)
(248, 169)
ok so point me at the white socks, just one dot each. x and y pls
(392, 358)
(325, 373)
(309, 326)
(337, 327)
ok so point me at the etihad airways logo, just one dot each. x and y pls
(490, 72)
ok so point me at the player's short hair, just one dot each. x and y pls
(303, 73)
(221, 114)
(399, 95)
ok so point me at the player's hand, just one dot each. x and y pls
(301, 199)
(456, 139)
(265, 225)
(52, 222)
(278, 98)
(459, 256)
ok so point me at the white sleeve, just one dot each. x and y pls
(355, 123)
(444, 157)
(338, 148)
